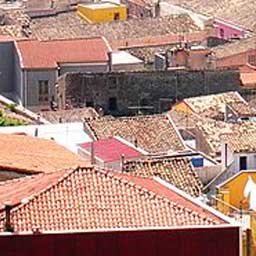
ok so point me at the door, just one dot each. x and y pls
(243, 163)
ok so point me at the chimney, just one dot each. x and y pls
(36, 132)
(122, 162)
(8, 227)
(92, 153)
(110, 61)
(136, 142)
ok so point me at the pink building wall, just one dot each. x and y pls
(227, 31)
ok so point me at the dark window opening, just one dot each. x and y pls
(243, 163)
(43, 91)
(112, 82)
(89, 104)
(112, 104)
(222, 33)
(116, 16)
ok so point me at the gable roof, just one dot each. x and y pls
(214, 105)
(26, 154)
(91, 198)
(176, 170)
(152, 133)
(48, 54)
(110, 150)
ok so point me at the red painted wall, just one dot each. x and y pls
(186, 242)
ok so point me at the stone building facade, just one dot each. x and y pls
(121, 93)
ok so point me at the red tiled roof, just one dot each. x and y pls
(47, 54)
(159, 40)
(25, 154)
(90, 198)
(110, 150)
(17, 189)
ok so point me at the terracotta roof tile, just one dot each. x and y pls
(176, 170)
(69, 115)
(89, 198)
(214, 105)
(244, 142)
(27, 154)
(151, 41)
(47, 54)
(153, 133)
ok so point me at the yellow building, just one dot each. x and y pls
(232, 190)
(102, 12)
(231, 196)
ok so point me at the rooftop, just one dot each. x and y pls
(244, 142)
(48, 54)
(110, 150)
(26, 154)
(69, 25)
(176, 170)
(69, 115)
(100, 5)
(152, 133)
(214, 105)
(91, 198)
(239, 12)
(234, 48)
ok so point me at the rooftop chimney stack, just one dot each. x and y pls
(8, 226)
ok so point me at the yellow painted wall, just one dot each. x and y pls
(104, 14)
(235, 188)
(183, 107)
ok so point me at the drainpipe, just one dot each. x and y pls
(110, 62)
(25, 89)
(8, 226)
(226, 155)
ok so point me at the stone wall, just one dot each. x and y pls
(149, 91)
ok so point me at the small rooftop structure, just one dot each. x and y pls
(102, 12)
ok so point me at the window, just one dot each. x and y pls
(243, 163)
(112, 82)
(112, 104)
(116, 16)
(43, 91)
(222, 33)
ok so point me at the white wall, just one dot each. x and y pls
(251, 161)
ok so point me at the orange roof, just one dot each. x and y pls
(91, 198)
(27, 154)
(159, 40)
(47, 54)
